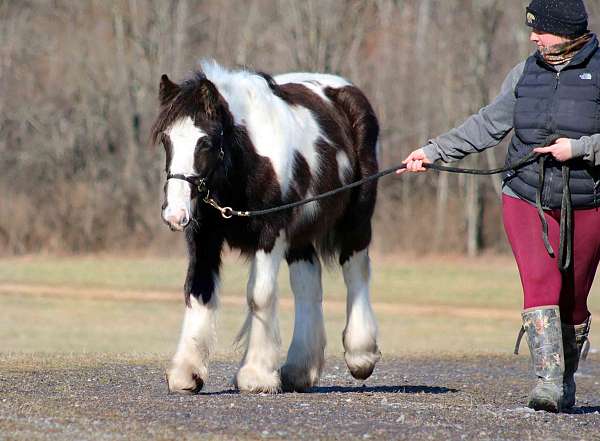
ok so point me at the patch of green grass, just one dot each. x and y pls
(68, 325)
(98, 272)
(483, 282)
(81, 325)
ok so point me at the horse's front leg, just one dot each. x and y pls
(259, 368)
(189, 367)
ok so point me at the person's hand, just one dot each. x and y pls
(414, 162)
(561, 149)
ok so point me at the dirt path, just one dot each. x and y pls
(415, 398)
(332, 305)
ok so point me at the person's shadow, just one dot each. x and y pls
(584, 410)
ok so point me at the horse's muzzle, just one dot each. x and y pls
(176, 220)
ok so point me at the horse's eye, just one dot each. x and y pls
(203, 143)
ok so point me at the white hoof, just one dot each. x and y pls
(255, 380)
(362, 363)
(186, 379)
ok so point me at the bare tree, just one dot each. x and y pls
(78, 82)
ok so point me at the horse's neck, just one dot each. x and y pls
(233, 177)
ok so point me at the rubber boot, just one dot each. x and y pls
(575, 345)
(544, 338)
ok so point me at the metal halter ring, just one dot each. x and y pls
(227, 212)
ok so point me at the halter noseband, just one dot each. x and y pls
(198, 182)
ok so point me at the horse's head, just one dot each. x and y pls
(191, 126)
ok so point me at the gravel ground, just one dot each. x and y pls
(448, 398)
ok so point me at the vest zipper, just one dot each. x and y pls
(547, 187)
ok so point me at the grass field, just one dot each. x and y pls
(134, 305)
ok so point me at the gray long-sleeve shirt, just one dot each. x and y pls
(491, 124)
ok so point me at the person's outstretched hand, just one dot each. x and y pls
(414, 162)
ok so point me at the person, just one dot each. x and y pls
(554, 93)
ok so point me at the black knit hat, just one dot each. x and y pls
(559, 17)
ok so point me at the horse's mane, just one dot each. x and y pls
(185, 103)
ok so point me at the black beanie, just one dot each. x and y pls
(560, 17)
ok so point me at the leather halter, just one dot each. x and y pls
(197, 181)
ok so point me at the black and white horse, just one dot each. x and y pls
(260, 142)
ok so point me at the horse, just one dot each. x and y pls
(255, 141)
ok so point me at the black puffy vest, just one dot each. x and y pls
(565, 103)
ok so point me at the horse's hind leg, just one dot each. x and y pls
(305, 358)
(259, 368)
(360, 335)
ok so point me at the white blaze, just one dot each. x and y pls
(183, 135)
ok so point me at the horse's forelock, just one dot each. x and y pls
(191, 98)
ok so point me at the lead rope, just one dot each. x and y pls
(228, 212)
(566, 222)
(538, 204)
(565, 248)
(519, 337)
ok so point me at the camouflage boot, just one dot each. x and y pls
(575, 345)
(544, 338)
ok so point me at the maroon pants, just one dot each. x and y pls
(543, 283)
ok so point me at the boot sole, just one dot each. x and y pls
(546, 405)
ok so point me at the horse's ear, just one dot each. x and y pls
(167, 90)
(208, 98)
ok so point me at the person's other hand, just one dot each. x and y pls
(414, 162)
(561, 149)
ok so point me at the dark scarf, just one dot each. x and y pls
(562, 53)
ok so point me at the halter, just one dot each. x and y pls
(199, 182)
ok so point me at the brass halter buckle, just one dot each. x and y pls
(226, 212)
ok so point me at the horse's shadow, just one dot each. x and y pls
(359, 389)
(382, 389)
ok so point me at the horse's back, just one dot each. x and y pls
(346, 219)
(348, 99)
(326, 80)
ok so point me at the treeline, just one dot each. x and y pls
(78, 93)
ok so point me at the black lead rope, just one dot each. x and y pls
(228, 212)
(565, 249)
(538, 204)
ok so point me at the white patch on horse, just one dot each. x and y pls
(305, 357)
(258, 371)
(183, 135)
(327, 80)
(315, 82)
(276, 129)
(195, 344)
(360, 334)
(310, 210)
(344, 167)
